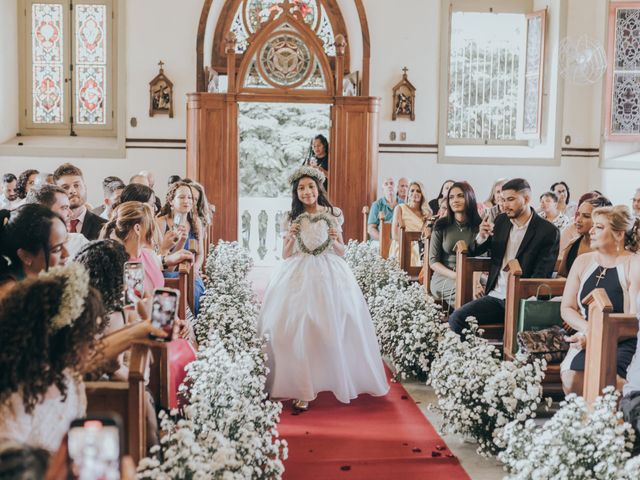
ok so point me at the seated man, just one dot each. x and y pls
(384, 204)
(55, 198)
(70, 178)
(518, 233)
(111, 188)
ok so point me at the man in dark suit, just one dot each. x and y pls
(519, 232)
(69, 177)
(112, 188)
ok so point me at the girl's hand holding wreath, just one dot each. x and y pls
(294, 228)
(333, 233)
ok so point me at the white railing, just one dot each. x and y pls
(259, 227)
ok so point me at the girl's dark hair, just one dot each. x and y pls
(324, 142)
(23, 179)
(168, 210)
(33, 355)
(22, 462)
(104, 260)
(135, 192)
(470, 208)
(442, 188)
(565, 186)
(297, 207)
(28, 227)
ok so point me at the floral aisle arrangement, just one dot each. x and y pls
(479, 394)
(371, 270)
(409, 327)
(228, 430)
(575, 443)
(228, 305)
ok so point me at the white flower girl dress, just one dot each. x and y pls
(320, 336)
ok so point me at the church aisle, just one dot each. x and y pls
(373, 438)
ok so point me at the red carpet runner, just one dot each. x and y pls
(373, 438)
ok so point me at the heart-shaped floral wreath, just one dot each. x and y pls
(317, 217)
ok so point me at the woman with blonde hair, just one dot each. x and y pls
(614, 241)
(411, 215)
(133, 225)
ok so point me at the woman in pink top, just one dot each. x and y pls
(132, 224)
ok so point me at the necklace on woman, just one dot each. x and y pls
(601, 275)
(460, 225)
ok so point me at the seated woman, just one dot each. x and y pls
(461, 223)
(412, 216)
(434, 204)
(582, 225)
(178, 214)
(549, 211)
(608, 266)
(33, 239)
(492, 202)
(50, 324)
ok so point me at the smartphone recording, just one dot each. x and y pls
(133, 282)
(164, 308)
(94, 449)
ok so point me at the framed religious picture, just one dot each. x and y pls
(404, 98)
(161, 94)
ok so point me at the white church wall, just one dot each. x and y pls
(8, 71)
(403, 33)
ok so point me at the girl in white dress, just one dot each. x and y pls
(320, 336)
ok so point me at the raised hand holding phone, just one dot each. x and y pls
(486, 228)
(163, 311)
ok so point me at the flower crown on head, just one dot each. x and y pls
(74, 293)
(307, 171)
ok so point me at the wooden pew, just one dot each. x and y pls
(519, 288)
(466, 268)
(385, 236)
(185, 271)
(127, 400)
(365, 223)
(426, 272)
(606, 329)
(405, 248)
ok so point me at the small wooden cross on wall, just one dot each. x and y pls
(161, 64)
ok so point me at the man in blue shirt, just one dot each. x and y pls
(384, 204)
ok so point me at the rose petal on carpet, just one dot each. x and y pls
(372, 438)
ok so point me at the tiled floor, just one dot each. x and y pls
(478, 468)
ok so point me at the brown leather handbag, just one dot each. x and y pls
(548, 343)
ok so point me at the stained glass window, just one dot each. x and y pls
(285, 60)
(68, 65)
(47, 50)
(251, 14)
(624, 91)
(91, 64)
(532, 101)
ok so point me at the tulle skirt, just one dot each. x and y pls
(320, 336)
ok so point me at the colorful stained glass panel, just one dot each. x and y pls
(258, 11)
(91, 38)
(46, 28)
(285, 59)
(625, 91)
(90, 103)
(90, 81)
(626, 104)
(48, 94)
(627, 48)
(47, 67)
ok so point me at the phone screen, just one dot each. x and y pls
(164, 307)
(94, 450)
(133, 282)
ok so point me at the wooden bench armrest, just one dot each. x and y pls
(606, 329)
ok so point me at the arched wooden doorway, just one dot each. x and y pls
(282, 59)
